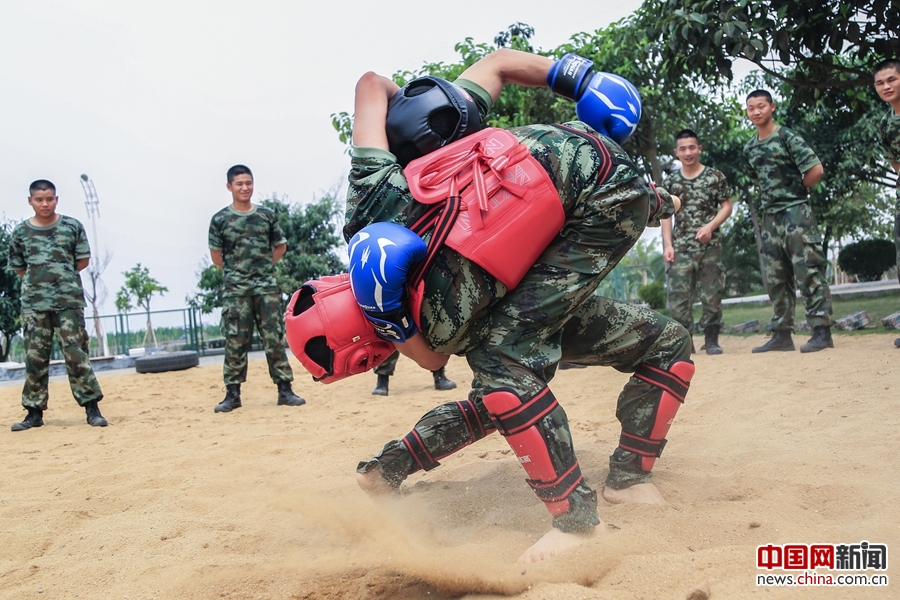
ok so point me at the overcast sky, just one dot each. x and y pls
(155, 100)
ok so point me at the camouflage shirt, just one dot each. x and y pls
(459, 294)
(48, 256)
(890, 136)
(701, 198)
(247, 241)
(776, 165)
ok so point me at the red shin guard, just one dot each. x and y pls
(517, 421)
(674, 384)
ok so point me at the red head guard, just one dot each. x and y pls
(328, 332)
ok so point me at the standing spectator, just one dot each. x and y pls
(695, 254)
(887, 84)
(49, 251)
(783, 168)
(246, 241)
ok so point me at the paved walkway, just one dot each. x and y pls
(846, 290)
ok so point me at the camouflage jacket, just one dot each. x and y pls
(48, 256)
(247, 241)
(890, 136)
(458, 292)
(701, 198)
(776, 165)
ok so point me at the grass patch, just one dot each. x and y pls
(876, 306)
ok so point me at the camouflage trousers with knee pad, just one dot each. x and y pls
(68, 326)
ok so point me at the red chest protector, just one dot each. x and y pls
(495, 203)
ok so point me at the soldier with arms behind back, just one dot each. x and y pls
(887, 84)
(783, 168)
(246, 241)
(48, 251)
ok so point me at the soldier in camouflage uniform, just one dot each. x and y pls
(246, 241)
(783, 168)
(695, 254)
(514, 339)
(48, 251)
(386, 370)
(887, 84)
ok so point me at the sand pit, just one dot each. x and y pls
(174, 501)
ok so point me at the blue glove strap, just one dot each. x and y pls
(394, 326)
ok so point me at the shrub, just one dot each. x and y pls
(653, 294)
(868, 259)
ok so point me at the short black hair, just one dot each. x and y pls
(238, 170)
(890, 63)
(686, 133)
(760, 94)
(41, 184)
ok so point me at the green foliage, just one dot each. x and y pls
(138, 289)
(211, 286)
(10, 294)
(832, 43)
(868, 259)
(740, 254)
(312, 240)
(653, 294)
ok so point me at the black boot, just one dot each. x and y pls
(712, 340)
(441, 382)
(897, 342)
(781, 341)
(381, 387)
(232, 398)
(286, 395)
(35, 418)
(94, 418)
(821, 339)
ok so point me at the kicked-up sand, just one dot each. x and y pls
(174, 501)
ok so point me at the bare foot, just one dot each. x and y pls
(555, 542)
(642, 493)
(374, 484)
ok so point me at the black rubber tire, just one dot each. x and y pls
(166, 361)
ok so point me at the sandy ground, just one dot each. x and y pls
(174, 501)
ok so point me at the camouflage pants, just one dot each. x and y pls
(73, 340)
(703, 269)
(388, 366)
(793, 257)
(600, 332)
(897, 241)
(552, 315)
(266, 312)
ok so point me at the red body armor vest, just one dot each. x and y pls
(510, 210)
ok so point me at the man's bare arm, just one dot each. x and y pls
(82, 263)
(418, 349)
(370, 110)
(216, 256)
(813, 176)
(508, 66)
(705, 233)
(278, 252)
(668, 248)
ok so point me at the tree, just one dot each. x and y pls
(312, 239)
(867, 259)
(832, 44)
(10, 293)
(211, 283)
(137, 291)
(95, 294)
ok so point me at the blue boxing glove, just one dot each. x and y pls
(608, 103)
(382, 255)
